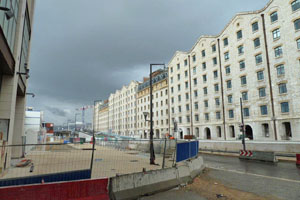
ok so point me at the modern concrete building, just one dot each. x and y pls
(15, 38)
(122, 110)
(160, 105)
(257, 58)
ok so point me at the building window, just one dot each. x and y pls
(231, 114)
(265, 128)
(225, 41)
(243, 80)
(256, 42)
(188, 118)
(206, 115)
(229, 98)
(195, 93)
(258, 59)
(298, 44)
(262, 92)
(219, 131)
(196, 117)
(217, 101)
(196, 105)
(276, 34)
(227, 70)
(171, 79)
(285, 107)
(280, 70)
(172, 90)
(179, 98)
(205, 91)
(255, 26)
(203, 53)
(226, 56)
(232, 132)
(178, 66)
(194, 70)
(179, 108)
(186, 73)
(180, 120)
(186, 96)
(194, 58)
(204, 78)
(229, 85)
(185, 62)
(195, 81)
(241, 49)
(213, 48)
(246, 112)
(218, 115)
(282, 88)
(245, 96)
(178, 77)
(295, 5)
(206, 103)
(178, 87)
(186, 85)
(171, 69)
(216, 87)
(187, 107)
(274, 16)
(239, 34)
(297, 24)
(173, 110)
(260, 75)
(215, 62)
(263, 110)
(216, 74)
(204, 65)
(278, 51)
(242, 64)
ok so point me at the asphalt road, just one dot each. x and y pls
(267, 180)
(283, 170)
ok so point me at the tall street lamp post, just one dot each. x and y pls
(152, 155)
(94, 140)
(242, 126)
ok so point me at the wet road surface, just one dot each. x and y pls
(283, 170)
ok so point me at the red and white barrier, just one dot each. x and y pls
(76, 190)
(298, 159)
(246, 153)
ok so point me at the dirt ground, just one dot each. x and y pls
(210, 188)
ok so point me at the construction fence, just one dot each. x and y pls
(110, 158)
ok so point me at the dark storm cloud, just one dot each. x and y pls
(56, 111)
(85, 49)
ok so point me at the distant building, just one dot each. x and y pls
(15, 39)
(101, 117)
(33, 129)
(160, 105)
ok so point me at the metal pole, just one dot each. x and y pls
(164, 156)
(94, 141)
(243, 126)
(152, 155)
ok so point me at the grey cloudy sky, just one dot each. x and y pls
(83, 50)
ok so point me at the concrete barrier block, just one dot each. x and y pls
(132, 186)
(258, 155)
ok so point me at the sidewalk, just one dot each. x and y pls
(279, 158)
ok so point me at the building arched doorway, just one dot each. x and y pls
(157, 134)
(180, 134)
(207, 133)
(249, 132)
